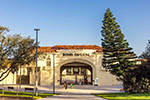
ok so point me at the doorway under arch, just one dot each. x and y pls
(77, 73)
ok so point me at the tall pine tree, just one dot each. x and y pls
(118, 56)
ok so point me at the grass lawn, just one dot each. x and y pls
(124, 96)
(26, 94)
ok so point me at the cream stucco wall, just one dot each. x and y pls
(45, 75)
(10, 79)
(94, 60)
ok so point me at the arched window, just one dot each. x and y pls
(48, 62)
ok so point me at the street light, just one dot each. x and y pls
(53, 73)
(36, 79)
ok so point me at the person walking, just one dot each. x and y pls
(66, 84)
(71, 85)
(80, 81)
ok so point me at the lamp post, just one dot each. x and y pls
(36, 79)
(53, 73)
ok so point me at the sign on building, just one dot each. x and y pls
(96, 81)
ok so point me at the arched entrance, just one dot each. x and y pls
(76, 72)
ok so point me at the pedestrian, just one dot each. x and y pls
(71, 85)
(80, 81)
(65, 85)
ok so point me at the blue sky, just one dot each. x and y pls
(76, 22)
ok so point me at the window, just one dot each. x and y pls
(68, 71)
(48, 62)
(44, 68)
(38, 69)
(76, 70)
(29, 70)
(82, 71)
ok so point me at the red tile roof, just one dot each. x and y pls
(58, 47)
(140, 59)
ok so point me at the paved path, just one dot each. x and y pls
(73, 97)
(79, 92)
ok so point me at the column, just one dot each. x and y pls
(71, 70)
(79, 70)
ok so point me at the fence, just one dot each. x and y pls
(17, 87)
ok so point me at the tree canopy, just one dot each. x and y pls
(138, 77)
(118, 57)
(146, 53)
(15, 51)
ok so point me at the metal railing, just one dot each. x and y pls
(17, 88)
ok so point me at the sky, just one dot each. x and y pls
(76, 22)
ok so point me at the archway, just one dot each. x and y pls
(76, 72)
(70, 60)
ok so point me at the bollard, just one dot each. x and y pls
(17, 90)
(3, 91)
(33, 92)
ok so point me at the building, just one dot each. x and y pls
(73, 63)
